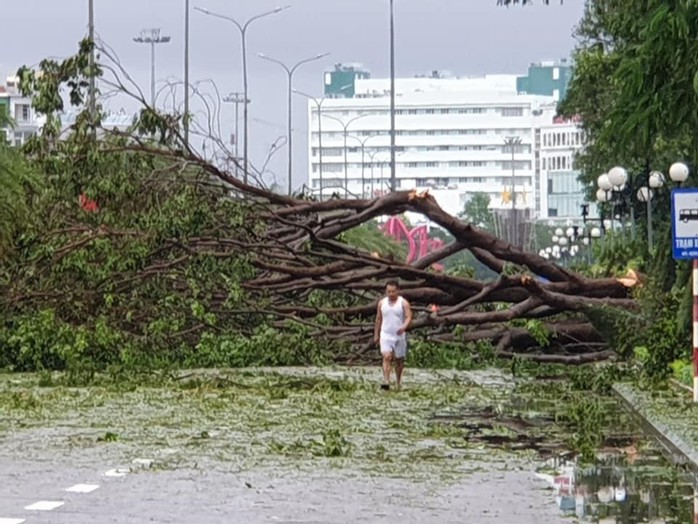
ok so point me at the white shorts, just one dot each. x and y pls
(396, 346)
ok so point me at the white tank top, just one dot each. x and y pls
(393, 318)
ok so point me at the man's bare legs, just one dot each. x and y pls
(399, 367)
(387, 364)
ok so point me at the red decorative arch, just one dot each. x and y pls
(418, 242)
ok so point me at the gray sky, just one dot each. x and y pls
(462, 36)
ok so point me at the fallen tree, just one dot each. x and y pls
(140, 237)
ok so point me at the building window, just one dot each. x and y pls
(22, 112)
(512, 111)
(517, 149)
(329, 151)
(412, 112)
(430, 111)
(445, 111)
(519, 164)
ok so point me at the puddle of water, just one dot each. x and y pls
(623, 487)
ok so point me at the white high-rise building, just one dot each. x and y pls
(450, 137)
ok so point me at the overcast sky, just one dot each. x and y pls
(462, 36)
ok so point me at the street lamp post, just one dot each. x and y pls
(237, 99)
(372, 157)
(618, 185)
(645, 194)
(290, 71)
(513, 142)
(345, 127)
(318, 104)
(91, 32)
(243, 36)
(152, 37)
(186, 72)
(393, 170)
(573, 235)
(363, 160)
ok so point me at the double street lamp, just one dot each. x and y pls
(619, 187)
(290, 71)
(345, 127)
(318, 103)
(393, 167)
(363, 160)
(242, 27)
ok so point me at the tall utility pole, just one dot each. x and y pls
(243, 36)
(393, 178)
(237, 99)
(152, 37)
(290, 71)
(186, 73)
(513, 142)
(91, 32)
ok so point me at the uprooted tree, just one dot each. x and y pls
(138, 245)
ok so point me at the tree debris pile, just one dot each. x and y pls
(136, 240)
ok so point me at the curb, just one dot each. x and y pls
(677, 449)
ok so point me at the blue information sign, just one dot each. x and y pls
(684, 223)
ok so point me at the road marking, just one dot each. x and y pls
(116, 473)
(44, 505)
(81, 488)
(11, 521)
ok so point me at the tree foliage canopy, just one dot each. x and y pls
(634, 89)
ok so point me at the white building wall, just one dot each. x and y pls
(446, 139)
(21, 112)
(560, 143)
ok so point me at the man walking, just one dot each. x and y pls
(393, 318)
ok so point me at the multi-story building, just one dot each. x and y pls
(23, 121)
(562, 194)
(450, 135)
(546, 78)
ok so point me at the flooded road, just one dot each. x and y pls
(303, 445)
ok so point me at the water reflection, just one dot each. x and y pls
(624, 488)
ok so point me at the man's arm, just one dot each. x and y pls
(407, 310)
(379, 322)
